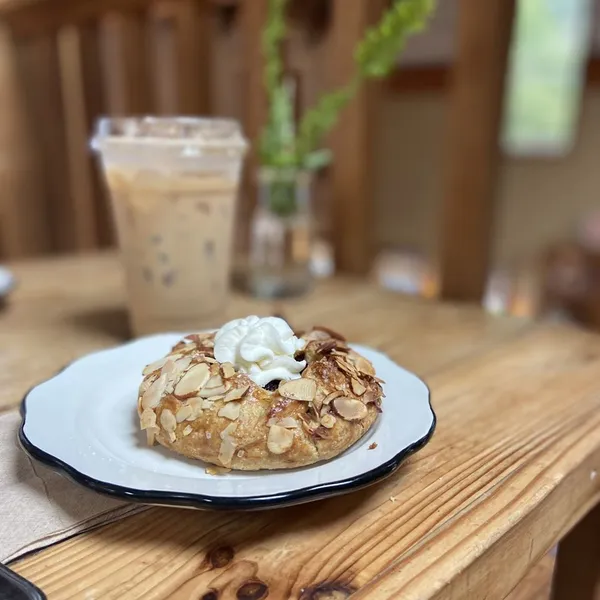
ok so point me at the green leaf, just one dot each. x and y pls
(375, 56)
(317, 160)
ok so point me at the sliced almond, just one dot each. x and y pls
(230, 411)
(159, 364)
(151, 398)
(187, 430)
(214, 382)
(364, 366)
(369, 397)
(229, 430)
(168, 420)
(346, 367)
(330, 397)
(148, 419)
(350, 409)
(172, 373)
(184, 413)
(325, 410)
(155, 366)
(288, 423)
(326, 347)
(226, 451)
(207, 404)
(151, 435)
(299, 389)
(357, 387)
(228, 370)
(212, 392)
(183, 363)
(196, 407)
(328, 421)
(280, 439)
(193, 380)
(236, 393)
(146, 383)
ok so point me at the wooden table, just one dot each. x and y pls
(511, 469)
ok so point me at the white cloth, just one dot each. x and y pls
(39, 507)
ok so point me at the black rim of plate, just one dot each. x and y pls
(185, 499)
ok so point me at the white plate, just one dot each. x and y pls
(83, 422)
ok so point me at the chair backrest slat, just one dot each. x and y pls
(82, 199)
(72, 61)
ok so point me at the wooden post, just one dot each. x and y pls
(577, 570)
(476, 99)
(252, 18)
(351, 141)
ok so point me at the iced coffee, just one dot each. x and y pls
(173, 185)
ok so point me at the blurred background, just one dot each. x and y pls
(470, 172)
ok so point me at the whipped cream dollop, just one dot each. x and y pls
(264, 348)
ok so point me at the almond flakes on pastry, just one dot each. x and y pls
(216, 411)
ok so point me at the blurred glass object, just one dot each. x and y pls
(546, 76)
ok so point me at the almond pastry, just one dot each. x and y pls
(210, 408)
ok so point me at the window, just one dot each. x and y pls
(545, 78)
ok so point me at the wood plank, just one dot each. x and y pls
(577, 574)
(23, 227)
(96, 101)
(251, 20)
(476, 100)
(465, 518)
(80, 170)
(126, 64)
(162, 51)
(193, 48)
(39, 69)
(351, 142)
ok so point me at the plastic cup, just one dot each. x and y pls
(173, 184)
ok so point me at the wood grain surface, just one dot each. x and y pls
(509, 471)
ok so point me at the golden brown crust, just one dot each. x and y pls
(201, 409)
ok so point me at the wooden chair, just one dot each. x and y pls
(64, 63)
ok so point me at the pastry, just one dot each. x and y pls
(255, 396)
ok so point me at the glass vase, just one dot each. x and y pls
(281, 235)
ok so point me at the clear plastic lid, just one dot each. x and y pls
(186, 135)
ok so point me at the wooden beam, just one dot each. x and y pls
(577, 571)
(351, 141)
(476, 100)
